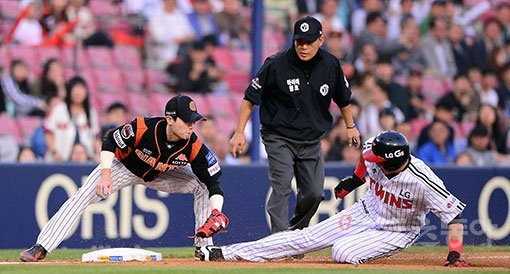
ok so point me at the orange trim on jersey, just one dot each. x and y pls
(157, 145)
(195, 148)
(122, 155)
(141, 128)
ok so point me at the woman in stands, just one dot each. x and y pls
(72, 121)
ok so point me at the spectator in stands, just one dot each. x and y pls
(488, 40)
(359, 16)
(498, 58)
(26, 155)
(419, 108)
(328, 18)
(207, 130)
(51, 84)
(398, 95)
(88, 34)
(376, 33)
(504, 90)
(405, 60)
(367, 59)
(387, 119)
(17, 92)
(479, 148)
(463, 159)
(460, 49)
(27, 30)
(335, 46)
(396, 16)
(437, 10)
(436, 51)
(488, 117)
(475, 78)
(364, 89)
(232, 29)
(116, 115)
(70, 122)
(197, 72)
(202, 19)
(220, 147)
(9, 148)
(369, 118)
(444, 113)
(3, 106)
(54, 15)
(503, 17)
(79, 154)
(280, 15)
(350, 155)
(463, 98)
(407, 130)
(438, 150)
(487, 92)
(169, 29)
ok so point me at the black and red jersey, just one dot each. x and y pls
(142, 147)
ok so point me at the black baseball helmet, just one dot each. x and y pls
(389, 149)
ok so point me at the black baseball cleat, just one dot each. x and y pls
(33, 254)
(211, 253)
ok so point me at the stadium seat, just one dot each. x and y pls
(10, 127)
(5, 59)
(138, 103)
(103, 8)
(158, 102)
(127, 57)
(223, 58)
(134, 79)
(75, 58)
(103, 99)
(85, 74)
(27, 54)
(220, 105)
(9, 9)
(242, 59)
(109, 81)
(100, 57)
(45, 53)
(27, 126)
(237, 81)
(433, 89)
(156, 80)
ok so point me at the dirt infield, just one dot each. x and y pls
(418, 261)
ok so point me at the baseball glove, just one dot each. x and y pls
(454, 260)
(216, 222)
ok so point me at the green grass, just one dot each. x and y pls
(75, 255)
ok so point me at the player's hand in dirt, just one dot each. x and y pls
(454, 260)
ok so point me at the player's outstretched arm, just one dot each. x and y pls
(455, 232)
(350, 183)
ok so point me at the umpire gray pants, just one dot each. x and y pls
(288, 158)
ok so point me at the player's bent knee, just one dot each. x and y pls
(341, 254)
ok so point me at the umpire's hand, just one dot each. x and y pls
(353, 137)
(237, 144)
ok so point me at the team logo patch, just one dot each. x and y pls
(255, 83)
(211, 160)
(324, 89)
(192, 106)
(118, 139)
(214, 169)
(182, 157)
(127, 131)
(304, 27)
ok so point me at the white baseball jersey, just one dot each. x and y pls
(386, 221)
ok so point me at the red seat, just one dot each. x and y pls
(138, 103)
(103, 8)
(27, 126)
(109, 81)
(46, 53)
(27, 54)
(433, 89)
(100, 57)
(74, 58)
(9, 127)
(5, 59)
(134, 79)
(156, 80)
(9, 9)
(237, 81)
(158, 102)
(104, 99)
(223, 58)
(242, 59)
(220, 105)
(127, 57)
(85, 74)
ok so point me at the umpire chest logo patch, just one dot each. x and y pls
(293, 84)
(324, 89)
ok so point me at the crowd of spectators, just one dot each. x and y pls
(436, 70)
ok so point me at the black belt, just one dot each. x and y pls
(364, 206)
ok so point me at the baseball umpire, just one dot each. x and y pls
(162, 153)
(402, 190)
(294, 89)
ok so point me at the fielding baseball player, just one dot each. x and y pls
(160, 153)
(402, 191)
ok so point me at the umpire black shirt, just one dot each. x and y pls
(294, 96)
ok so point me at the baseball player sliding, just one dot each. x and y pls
(154, 152)
(402, 191)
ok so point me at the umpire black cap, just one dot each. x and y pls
(308, 28)
(183, 107)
